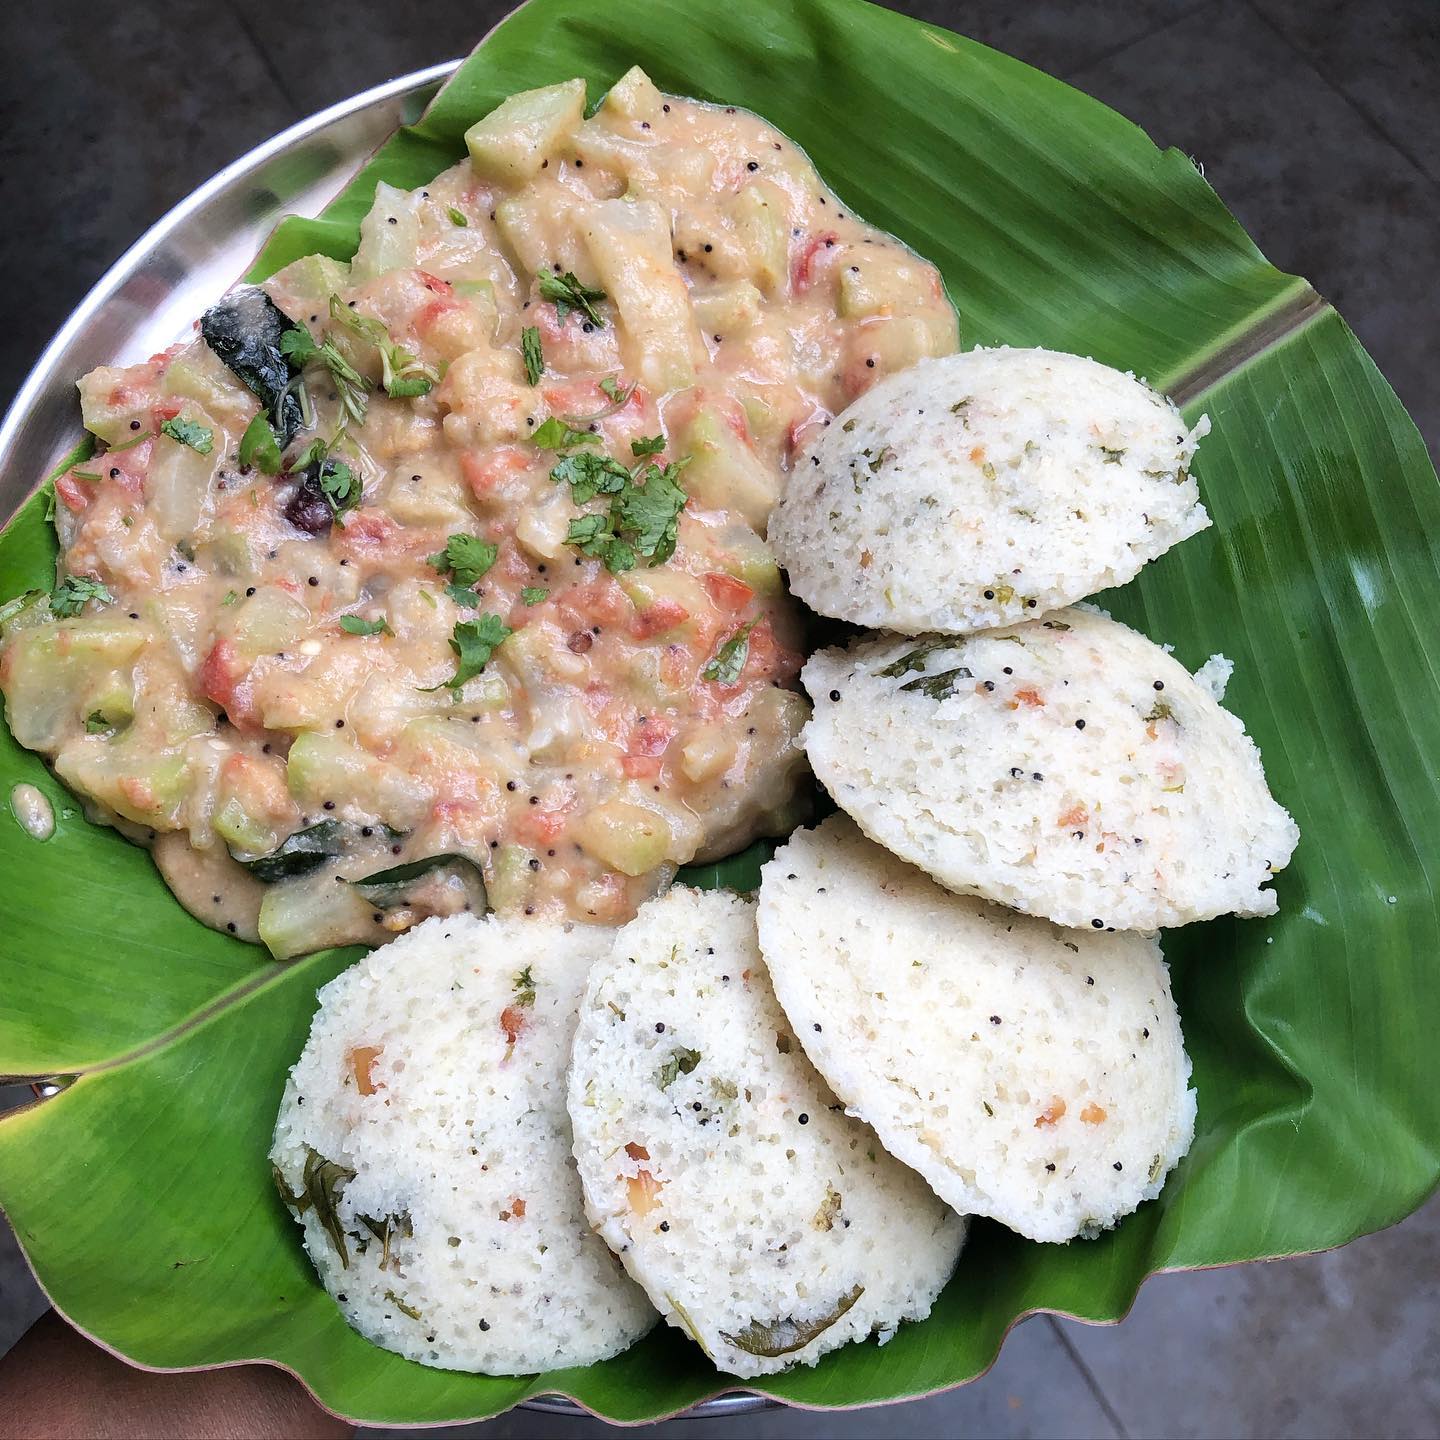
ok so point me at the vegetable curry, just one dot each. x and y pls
(437, 578)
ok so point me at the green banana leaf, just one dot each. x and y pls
(141, 1194)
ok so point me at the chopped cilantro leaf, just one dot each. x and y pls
(462, 595)
(198, 437)
(532, 354)
(407, 389)
(231, 596)
(534, 594)
(730, 658)
(651, 512)
(586, 530)
(299, 345)
(569, 294)
(588, 475)
(652, 445)
(402, 374)
(313, 454)
(339, 485)
(354, 625)
(555, 434)
(259, 447)
(466, 558)
(457, 217)
(619, 398)
(96, 723)
(71, 595)
(474, 642)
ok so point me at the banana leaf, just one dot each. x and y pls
(141, 1193)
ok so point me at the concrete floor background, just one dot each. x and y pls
(1318, 121)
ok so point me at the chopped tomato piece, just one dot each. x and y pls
(73, 494)
(1027, 697)
(137, 791)
(768, 659)
(428, 315)
(367, 532)
(728, 592)
(601, 602)
(485, 469)
(1074, 818)
(544, 826)
(1092, 1114)
(223, 680)
(802, 276)
(655, 619)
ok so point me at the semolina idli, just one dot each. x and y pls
(984, 488)
(424, 1143)
(1030, 1073)
(1068, 767)
(760, 1218)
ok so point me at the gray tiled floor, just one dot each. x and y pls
(1317, 120)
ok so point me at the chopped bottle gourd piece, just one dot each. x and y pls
(110, 402)
(633, 97)
(314, 277)
(630, 250)
(52, 670)
(724, 309)
(315, 912)
(724, 470)
(510, 143)
(759, 216)
(879, 284)
(626, 837)
(385, 246)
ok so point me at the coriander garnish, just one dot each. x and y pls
(466, 558)
(532, 354)
(729, 660)
(569, 294)
(74, 592)
(354, 625)
(198, 437)
(474, 642)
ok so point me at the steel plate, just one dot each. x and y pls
(151, 296)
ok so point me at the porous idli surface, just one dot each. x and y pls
(983, 488)
(1030, 1073)
(424, 1140)
(761, 1219)
(1068, 767)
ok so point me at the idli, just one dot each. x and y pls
(760, 1218)
(1032, 1074)
(984, 488)
(1068, 767)
(423, 1145)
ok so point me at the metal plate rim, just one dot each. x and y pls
(48, 370)
(43, 374)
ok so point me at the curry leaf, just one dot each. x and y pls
(772, 1338)
(300, 853)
